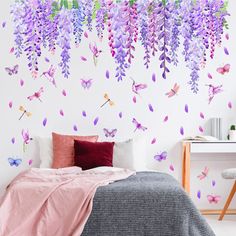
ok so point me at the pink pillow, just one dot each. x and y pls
(90, 155)
(63, 148)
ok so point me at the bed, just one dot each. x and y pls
(140, 204)
(145, 204)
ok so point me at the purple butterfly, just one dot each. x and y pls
(161, 157)
(136, 87)
(86, 84)
(138, 125)
(213, 90)
(14, 162)
(12, 71)
(111, 133)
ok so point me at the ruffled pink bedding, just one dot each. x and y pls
(52, 202)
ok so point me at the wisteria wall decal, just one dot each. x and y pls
(159, 25)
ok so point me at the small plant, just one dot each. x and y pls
(232, 127)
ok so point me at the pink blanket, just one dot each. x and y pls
(52, 202)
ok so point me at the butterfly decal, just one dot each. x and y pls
(224, 69)
(25, 112)
(173, 91)
(138, 126)
(213, 198)
(49, 74)
(108, 101)
(213, 90)
(14, 162)
(95, 51)
(36, 95)
(12, 71)
(111, 133)
(161, 157)
(86, 84)
(204, 173)
(137, 87)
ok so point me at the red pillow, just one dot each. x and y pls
(90, 155)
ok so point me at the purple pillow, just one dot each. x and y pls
(90, 155)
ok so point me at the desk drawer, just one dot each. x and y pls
(213, 147)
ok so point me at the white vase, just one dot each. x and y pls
(232, 135)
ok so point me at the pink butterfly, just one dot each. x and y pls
(213, 90)
(12, 71)
(204, 173)
(136, 87)
(138, 125)
(49, 74)
(173, 91)
(213, 199)
(86, 84)
(111, 133)
(36, 95)
(96, 52)
(224, 69)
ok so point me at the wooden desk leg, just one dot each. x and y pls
(186, 168)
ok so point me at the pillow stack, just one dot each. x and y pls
(84, 151)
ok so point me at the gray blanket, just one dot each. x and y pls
(147, 204)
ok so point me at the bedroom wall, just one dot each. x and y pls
(63, 107)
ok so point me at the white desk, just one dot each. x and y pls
(201, 147)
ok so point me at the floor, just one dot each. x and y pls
(226, 227)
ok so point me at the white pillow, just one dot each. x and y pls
(123, 156)
(130, 154)
(140, 153)
(45, 152)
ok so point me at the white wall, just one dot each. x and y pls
(167, 133)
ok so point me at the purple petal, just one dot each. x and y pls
(230, 105)
(201, 129)
(154, 77)
(227, 36)
(209, 76)
(181, 130)
(85, 34)
(120, 114)
(150, 107)
(45, 122)
(21, 82)
(226, 51)
(172, 168)
(75, 128)
(134, 99)
(30, 162)
(199, 194)
(64, 92)
(13, 140)
(84, 113)
(46, 59)
(202, 115)
(83, 58)
(166, 119)
(153, 140)
(61, 112)
(186, 108)
(10, 104)
(107, 74)
(95, 121)
(4, 24)
(213, 182)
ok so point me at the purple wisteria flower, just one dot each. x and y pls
(159, 25)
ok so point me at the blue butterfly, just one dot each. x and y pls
(14, 162)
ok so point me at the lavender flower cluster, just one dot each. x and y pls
(160, 26)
